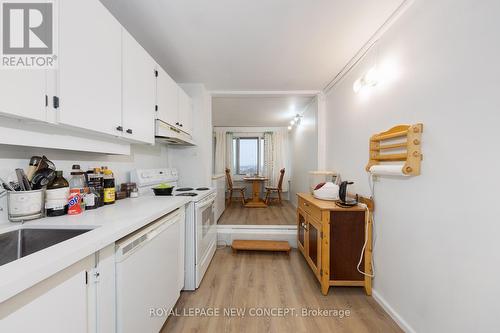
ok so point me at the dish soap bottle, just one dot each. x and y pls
(56, 196)
(109, 187)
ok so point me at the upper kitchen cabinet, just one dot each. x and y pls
(90, 69)
(174, 105)
(185, 112)
(167, 98)
(23, 93)
(138, 98)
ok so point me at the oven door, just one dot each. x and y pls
(206, 229)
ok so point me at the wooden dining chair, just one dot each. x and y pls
(278, 189)
(232, 189)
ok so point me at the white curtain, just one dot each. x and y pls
(220, 150)
(268, 156)
(229, 151)
(223, 150)
(280, 159)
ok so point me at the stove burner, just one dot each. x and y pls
(202, 189)
(189, 194)
(184, 189)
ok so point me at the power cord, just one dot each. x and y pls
(371, 184)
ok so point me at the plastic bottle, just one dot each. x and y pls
(77, 189)
(109, 187)
(56, 196)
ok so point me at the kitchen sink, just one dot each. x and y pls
(22, 242)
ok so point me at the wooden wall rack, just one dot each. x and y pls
(406, 139)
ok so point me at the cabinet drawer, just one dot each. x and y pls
(309, 208)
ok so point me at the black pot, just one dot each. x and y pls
(163, 191)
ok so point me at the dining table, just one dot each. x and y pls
(256, 201)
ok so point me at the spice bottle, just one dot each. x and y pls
(56, 196)
(109, 187)
(96, 187)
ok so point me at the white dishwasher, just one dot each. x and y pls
(149, 269)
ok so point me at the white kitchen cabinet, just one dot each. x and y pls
(58, 304)
(185, 112)
(90, 70)
(182, 250)
(23, 93)
(219, 182)
(167, 96)
(175, 107)
(138, 91)
(105, 293)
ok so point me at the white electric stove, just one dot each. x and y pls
(201, 226)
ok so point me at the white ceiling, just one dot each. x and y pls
(253, 45)
(259, 111)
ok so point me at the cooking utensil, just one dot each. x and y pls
(45, 163)
(163, 190)
(33, 166)
(42, 178)
(23, 180)
(6, 185)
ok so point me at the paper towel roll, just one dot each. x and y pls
(387, 170)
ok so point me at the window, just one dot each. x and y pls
(248, 157)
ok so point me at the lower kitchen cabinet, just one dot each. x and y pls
(331, 240)
(80, 298)
(58, 304)
(104, 284)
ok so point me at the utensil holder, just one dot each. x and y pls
(25, 205)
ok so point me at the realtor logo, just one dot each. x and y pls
(28, 34)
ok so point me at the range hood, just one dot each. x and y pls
(171, 135)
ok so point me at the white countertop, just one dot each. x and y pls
(110, 223)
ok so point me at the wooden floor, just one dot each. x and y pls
(274, 214)
(250, 280)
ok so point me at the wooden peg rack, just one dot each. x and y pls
(406, 140)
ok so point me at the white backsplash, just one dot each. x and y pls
(142, 156)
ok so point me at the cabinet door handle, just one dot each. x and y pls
(119, 128)
(129, 131)
(305, 204)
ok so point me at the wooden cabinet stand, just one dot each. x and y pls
(331, 239)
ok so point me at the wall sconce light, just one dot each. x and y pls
(294, 122)
(370, 79)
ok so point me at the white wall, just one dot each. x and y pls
(142, 156)
(436, 257)
(304, 150)
(194, 164)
